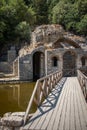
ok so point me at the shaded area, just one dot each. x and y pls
(38, 64)
(51, 101)
(69, 64)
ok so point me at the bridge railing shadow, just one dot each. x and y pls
(43, 87)
(51, 101)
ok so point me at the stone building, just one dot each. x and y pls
(51, 49)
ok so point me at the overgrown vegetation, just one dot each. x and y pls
(17, 17)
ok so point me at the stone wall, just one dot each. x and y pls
(26, 67)
(26, 64)
(44, 40)
(11, 55)
(46, 67)
(6, 67)
(46, 34)
(59, 53)
(50, 54)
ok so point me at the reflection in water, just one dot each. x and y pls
(15, 97)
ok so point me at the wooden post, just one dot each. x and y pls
(46, 62)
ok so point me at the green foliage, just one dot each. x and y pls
(41, 9)
(23, 31)
(70, 14)
(12, 14)
(2, 30)
(59, 12)
(30, 16)
(28, 2)
(72, 18)
(82, 26)
(2, 3)
(82, 7)
(17, 16)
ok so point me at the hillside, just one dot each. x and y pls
(18, 18)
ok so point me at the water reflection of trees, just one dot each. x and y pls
(20, 94)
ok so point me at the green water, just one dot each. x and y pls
(15, 97)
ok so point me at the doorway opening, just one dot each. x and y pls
(69, 64)
(38, 65)
(83, 60)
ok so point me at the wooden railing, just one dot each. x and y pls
(42, 88)
(83, 82)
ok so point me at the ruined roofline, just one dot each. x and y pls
(68, 40)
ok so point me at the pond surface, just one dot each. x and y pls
(15, 97)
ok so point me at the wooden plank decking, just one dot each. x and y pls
(64, 109)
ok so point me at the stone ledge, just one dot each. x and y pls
(19, 114)
(5, 128)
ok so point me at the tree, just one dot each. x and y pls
(72, 14)
(59, 12)
(41, 9)
(82, 26)
(2, 3)
(2, 30)
(82, 7)
(8, 18)
(30, 16)
(72, 18)
(23, 31)
(11, 14)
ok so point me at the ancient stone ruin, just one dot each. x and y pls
(51, 49)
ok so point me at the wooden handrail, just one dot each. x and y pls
(83, 82)
(42, 88)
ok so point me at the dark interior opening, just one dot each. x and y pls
(36, 65)
(54, 59)
(69, 64)
(83, 61)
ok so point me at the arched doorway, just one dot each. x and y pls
(83, 60)
(69, 64)
(38, 65)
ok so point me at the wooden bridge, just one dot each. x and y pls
(64, 107)
(61, 105)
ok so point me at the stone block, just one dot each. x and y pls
(19, 114)
(12, 121)
(7, 114)
(6, 128)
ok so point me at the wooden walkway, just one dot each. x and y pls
(64, 109)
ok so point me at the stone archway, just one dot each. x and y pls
(69, 63)
(38, 65)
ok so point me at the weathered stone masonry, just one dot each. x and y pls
(51, 49)
(49, 42)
